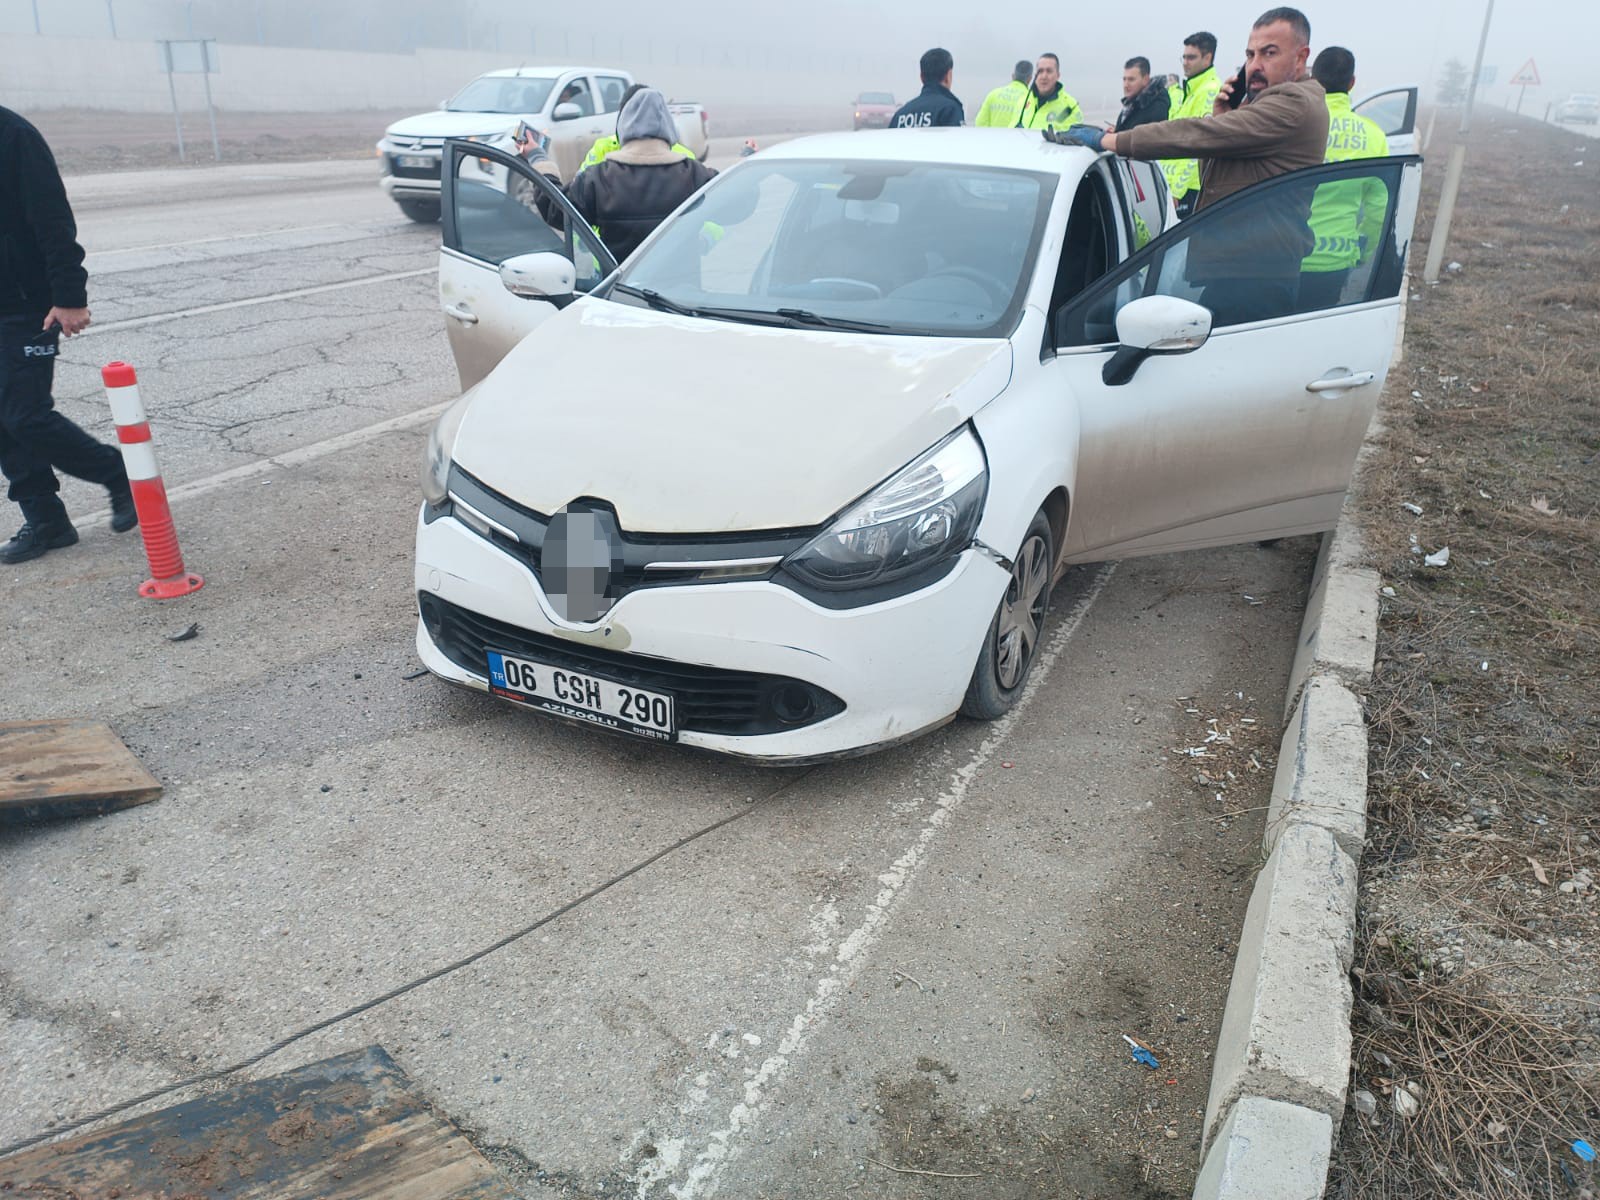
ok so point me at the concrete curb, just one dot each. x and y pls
(1283, 1054)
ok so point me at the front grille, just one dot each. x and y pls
(431, 171)
(707, 699)
(638, 550)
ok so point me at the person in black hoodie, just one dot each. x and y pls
(1144, 100)
(635, 187)
(42, 297)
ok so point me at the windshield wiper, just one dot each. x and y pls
(655, 300)
(759, 316)
(805, 316)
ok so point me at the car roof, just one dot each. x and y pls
(1016, 149)
(551, 72)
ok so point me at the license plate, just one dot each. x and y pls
(416, 160)
(583, 697)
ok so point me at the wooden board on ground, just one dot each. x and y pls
(345, 1128)
(68, 768)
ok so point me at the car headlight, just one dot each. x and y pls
(927, 512)
(436, 454)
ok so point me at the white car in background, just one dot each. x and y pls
(1580, 109)
(488, 109)
(802, 488)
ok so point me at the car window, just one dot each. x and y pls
(497, 216)
(576, 91)
(502, 94)
(931, 248)
(1310, 240)
(729, 265)
(1392, 112)
(875, 98)
(1090, 247)
(611, 89)
(1144, 193)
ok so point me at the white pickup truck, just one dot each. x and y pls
(576, 105)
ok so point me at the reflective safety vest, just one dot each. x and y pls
(1060, 112)
(1002, 108)
(1192, 98)
(1347, 215)
(610, 144)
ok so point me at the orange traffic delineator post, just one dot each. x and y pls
(168, 579)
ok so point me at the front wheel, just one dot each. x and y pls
(423, 212)
(1012, 642)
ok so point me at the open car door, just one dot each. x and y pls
(491, 206)
(1225, 374)
(1393, 110)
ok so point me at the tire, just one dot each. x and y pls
(423, 212)
(1009, 650)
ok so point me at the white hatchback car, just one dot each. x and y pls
(796, 480)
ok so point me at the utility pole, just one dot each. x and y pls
(1458, 157)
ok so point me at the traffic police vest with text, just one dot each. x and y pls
(1002, 108)
(1347, 215)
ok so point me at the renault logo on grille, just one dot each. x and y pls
(581, 562)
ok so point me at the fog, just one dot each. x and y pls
(863, 46)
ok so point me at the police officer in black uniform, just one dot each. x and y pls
(937, 105)
(42, 296)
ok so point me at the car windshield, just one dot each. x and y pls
(1585, 100)
(502, 94)
(915, 248)
(875, 98)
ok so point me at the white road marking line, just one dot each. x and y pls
(224, 237)
(272, 298)
(723, 1145)
(285, 461)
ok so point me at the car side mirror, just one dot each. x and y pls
(567, 112)
(542, 276)
(1155, 325)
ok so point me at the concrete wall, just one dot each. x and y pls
(101, 73)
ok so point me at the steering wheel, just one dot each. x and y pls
(999, 291)
(873, 290)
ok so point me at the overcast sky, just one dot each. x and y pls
(1394, 40)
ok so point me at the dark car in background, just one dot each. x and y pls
(873, 110)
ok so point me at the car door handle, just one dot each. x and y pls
(1341, 383)
(465, 315)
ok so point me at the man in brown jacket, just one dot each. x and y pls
(1251, 271)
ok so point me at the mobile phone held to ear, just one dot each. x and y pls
(1241, 89)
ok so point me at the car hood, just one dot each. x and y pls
(697, 426)
(443, 124)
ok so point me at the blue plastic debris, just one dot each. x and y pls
(1141, 1053)
(1583, 1150)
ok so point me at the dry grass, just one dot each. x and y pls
(1477, 974)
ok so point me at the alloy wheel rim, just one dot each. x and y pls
(1022, 612)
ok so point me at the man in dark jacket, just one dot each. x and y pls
(937, 104)
(1249, 267)
(635, 187)
(42, 296)
(1143, 100)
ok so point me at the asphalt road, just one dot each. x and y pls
(732, 981)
